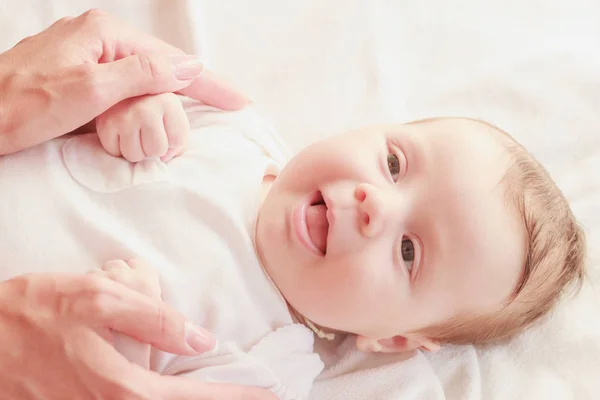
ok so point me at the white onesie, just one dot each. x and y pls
(68, 206)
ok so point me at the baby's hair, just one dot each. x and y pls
(555, 255)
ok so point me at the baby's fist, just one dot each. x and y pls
(145, 126)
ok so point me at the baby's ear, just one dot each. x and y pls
(396, 344)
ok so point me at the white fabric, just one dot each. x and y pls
(69, 206)
(316, 67)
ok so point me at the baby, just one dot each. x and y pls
(406, 236)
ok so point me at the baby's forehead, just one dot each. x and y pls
(467, 128)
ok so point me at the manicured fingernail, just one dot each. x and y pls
(187, 67)
(198, 339)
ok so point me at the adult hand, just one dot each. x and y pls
(65, 76)
(53, 342)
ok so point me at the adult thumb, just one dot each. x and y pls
(142, 74)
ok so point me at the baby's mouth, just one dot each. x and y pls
(317, 223)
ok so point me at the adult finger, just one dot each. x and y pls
(214, 91)
(102, 370)
(108, 304)
(121, 41)
(142, 74)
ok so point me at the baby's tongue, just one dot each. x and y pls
(317, 224)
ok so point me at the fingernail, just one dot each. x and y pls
(187, 67)
(199, 339)
(376, 347)
(168, 155)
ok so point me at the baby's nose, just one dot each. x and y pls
(371, 210)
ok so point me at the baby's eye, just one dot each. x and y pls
(394, 166)
(408, 253)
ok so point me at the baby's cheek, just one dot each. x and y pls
(345, 292)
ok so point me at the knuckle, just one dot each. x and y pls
(100, 304)
(148, 67)
(61, 21)
(64, 20)
(25, 39)
(145, 65)
(91, 284)
(95, 290)
(95, 20)
(20, 286)
(94, 13)
(146, 107)
(88, 296)
(121, 275)
(114, 264)
(162, 321)
(136, 263)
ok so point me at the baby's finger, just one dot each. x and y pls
(171, 153)
(154, 138)
(119, 271)
(114, 264)
(131, 146)
(109, 137)
(137, 264)
(177, 127)
(97, 272)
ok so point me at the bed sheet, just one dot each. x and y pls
(318, 67)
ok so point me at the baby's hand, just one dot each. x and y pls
(135, 274)
(145, 126)
(139, 276)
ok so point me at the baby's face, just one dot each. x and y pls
(391, 229)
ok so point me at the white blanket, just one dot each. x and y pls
(316, 67)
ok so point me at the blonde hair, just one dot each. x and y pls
(555, 256)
